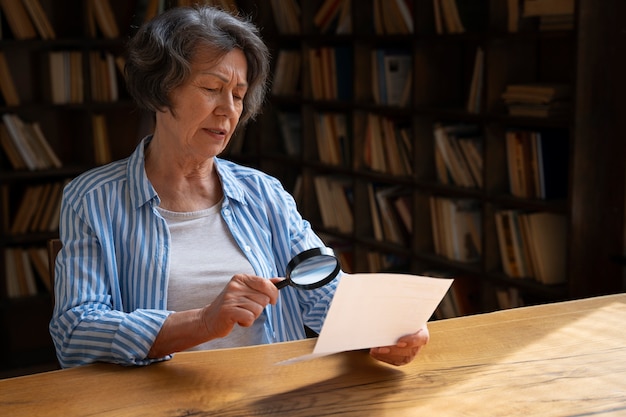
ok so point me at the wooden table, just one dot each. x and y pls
(565, 359)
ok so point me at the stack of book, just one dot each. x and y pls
(333, 141)
(532, 245)
(287, 73)
(25, 144)
(538, 99)
(456, 227)
(458, 155)
(38, 210)
(390, 211)
(388, 146)
(331, 73)
(334, 196)
(66, 76)
(537, 163)
(104, 68)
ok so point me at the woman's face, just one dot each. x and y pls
(208, 105)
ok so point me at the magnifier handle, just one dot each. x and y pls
(282, 284)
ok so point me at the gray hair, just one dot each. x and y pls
(160, 54)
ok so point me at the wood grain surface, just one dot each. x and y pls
(565, 359)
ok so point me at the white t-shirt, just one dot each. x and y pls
(204, 257)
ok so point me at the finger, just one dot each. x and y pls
(261, 286)
(395, 358)
(419, 338)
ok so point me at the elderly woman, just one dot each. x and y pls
(174, 248)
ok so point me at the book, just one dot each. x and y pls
(286, 16)
(66, 77)
(452, 158)
(40, 19)
(105, 18)
(287, 73)
(103, 70)
(474, 99)
(536, 93)
(102, 146)
(456, 228)
(39, 259)
(334, 203)
(392, 229)
(30, 285)
(327, 14)
(405, 9)
(30, 143)
(392, 76)
(393, 17)
(26, 209)
(10, 149)
(450, 16)
(513, 15)
(538, 99)
(374, 150)
(391, 142)
(548, 232)
(11, 274)
(7, 85)
(377, 227)
(538, 163)
(18, 19)
(330, 132)
(509, 261)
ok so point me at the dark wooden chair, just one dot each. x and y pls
(54, 246)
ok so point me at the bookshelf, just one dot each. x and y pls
(284, 140)
(458, 77)
(68, 85)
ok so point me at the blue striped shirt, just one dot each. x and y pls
(112, 272)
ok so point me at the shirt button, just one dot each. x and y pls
(226, 212)
(247, 248)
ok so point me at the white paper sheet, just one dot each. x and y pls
(376, 309)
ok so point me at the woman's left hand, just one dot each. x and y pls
(404, 351)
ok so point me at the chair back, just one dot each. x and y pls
(54, 246)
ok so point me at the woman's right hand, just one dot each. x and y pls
(241, 302)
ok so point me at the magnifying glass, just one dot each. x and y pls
(311, 269)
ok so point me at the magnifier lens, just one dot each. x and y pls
(313, 270)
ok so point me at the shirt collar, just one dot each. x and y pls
(231, 185)
(141, 190)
